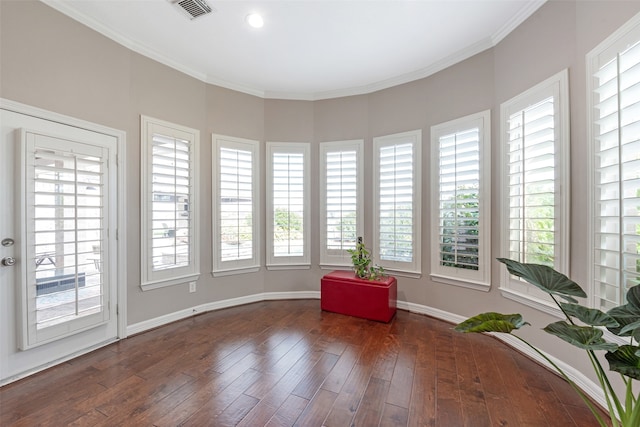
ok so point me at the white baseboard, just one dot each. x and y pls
(137, 328)
(591, 388)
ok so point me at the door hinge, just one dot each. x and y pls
(117, 160)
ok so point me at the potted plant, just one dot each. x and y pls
(582, 328)
(369, 294)
(361, 260)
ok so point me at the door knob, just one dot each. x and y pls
(7, 242)
(8, 261)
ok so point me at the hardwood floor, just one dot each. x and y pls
(287, 363)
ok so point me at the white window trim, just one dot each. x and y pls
(252, 264)
(291, 262)
(616, 42)
(330, 260)
(412, 269)
(475, 279)
(558, 85)
(175, 276)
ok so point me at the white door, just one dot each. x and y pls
(58, 219)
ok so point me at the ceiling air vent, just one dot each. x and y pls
(193, 8)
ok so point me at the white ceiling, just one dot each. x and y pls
(307, 49)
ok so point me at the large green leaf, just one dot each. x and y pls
(625, 315)
(545, 278)
(633, 296)
(492, 322)
(625, 360)
(630, 327)
(585, 337)
(590, 316)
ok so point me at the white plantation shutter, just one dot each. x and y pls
(236, 198)
(66, 224)
(341, 168)
(171, 190)
(169, 215)
(461, 218)
(535, 180)
(288, 207)
(396, 203)
(531, 175)
(235, 203)
(397, 220)
(341, 200)
(615, 132)
(459, 203)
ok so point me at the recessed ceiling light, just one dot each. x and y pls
(255, 20)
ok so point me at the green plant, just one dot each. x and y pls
(361, 260)
(623, 321)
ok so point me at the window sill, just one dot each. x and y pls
(532, 302)
(234, 271)
(157, 284)
(410, 274)
(336, 267)
(289, 267)
(470, 284)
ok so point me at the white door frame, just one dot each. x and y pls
(121, 189)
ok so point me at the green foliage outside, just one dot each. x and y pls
(347, 227)
(235, 235)
(539, 227)
(459, 246)
(287, 225)
(396, 226)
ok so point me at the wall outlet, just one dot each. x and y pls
(192, 286)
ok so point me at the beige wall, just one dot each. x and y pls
(52, 62)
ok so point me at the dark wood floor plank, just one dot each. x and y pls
(284, 363)
(496, 392)
(205, 389)
(448, 402)
(289, 412)
(348, 400)
(316, 411)
(387, 356)
(472, 398)
(394, 416)
(402, 379)
(308, 387)
(520, 394)
(236, 411)
(218, 403)
(422, 409)
(369, 412)
(282, 390)
(340, 372)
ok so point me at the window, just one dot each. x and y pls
(340, 200)
(169, 203)
(461, 208)
(535, 182)
(397, 215)
(235, 205)
(613, 70)
(288, 204)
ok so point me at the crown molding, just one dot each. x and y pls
(529, 9)
(440, 65)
